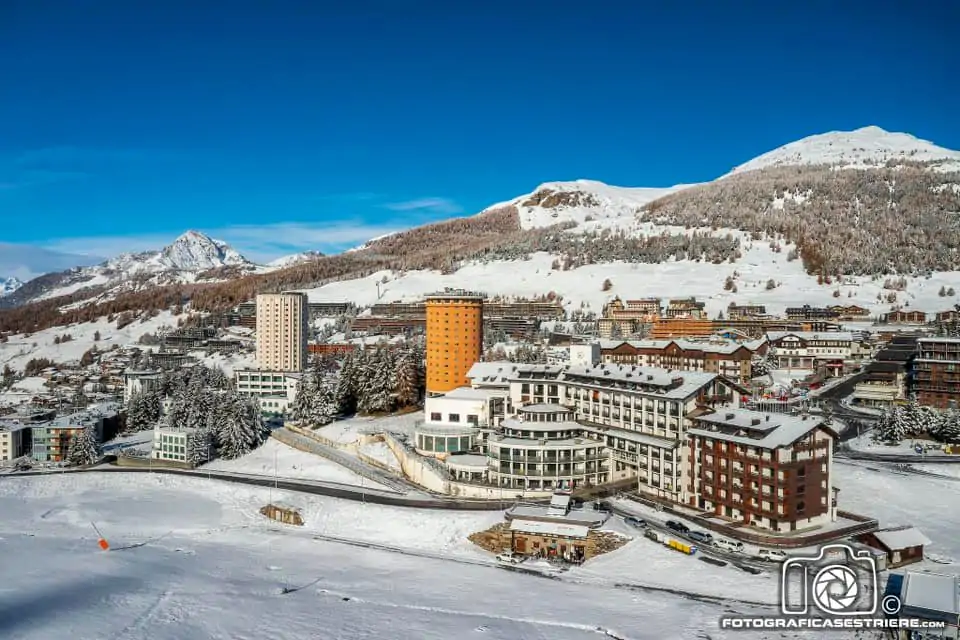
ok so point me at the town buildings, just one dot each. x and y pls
(902, 545)
(728, 358)
(282, 331)
(888, 380)
(806, 312)
(135, 382)
(937, 372)
(176, 444)
(931, 597)
(624, 318)
(769, 471)
(741, 311)
(454, 338)
(685, 308)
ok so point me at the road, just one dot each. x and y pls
(315, 487)
(738, 560)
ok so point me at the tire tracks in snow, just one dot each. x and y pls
(132, 630)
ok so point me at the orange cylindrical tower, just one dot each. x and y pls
(454, 338)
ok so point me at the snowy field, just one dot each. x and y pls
(705, 281)
(347, 431)
(191, 559)
(274, 457)
(904, 499)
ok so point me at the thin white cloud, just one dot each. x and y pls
(433, 205)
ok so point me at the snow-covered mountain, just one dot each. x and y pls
(192, 252)
(580, 201)
(297, 258)
(9, 285)
(865, 147)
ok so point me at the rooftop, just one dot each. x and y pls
(585, 517)
(938, 340)
(707, 346)
(932, 592)
(901, 538)
(467, 461)
(560, 529)
(543, 408)
(456, 294)
(754, 428)
(842, 336)
(534, 425)
(14, 425)
(467, 393)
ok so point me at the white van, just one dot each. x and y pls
(729, 545)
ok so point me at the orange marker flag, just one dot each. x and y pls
(102, 541)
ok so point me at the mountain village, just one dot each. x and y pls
(632, 376)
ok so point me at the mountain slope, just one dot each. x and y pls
(863, 148)
(288, 261)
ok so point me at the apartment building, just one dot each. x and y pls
(544, 449)
(282, 331)
(727, 358)
(454, 338)
(937, 372)
(742, 311)
(135, 382)
(686, 308)
(903, 316)
(768, 471)
(15, 440)
(639, 414)
(274, 390)
(806, 312)
(50, 441)
(174, 444)
(812, 350)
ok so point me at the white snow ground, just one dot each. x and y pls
(191, 559)
(276, 458)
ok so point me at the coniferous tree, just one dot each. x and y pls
(406, 380)
(143, 411)
(241, 428)
(84, 448)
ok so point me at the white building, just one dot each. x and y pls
(140, 382)
(15, 440)
(282, 330)
(454, 421)
(173, 444)
(809, 350)
(275, 390)
(585, 355)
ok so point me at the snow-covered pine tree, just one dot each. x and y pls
(301, 409)
(84, 447)
(346, 394)
(143, 411)
(325, 407)
(892, 426)
(948, 427)
(241, 428)
(374, 390)
(200, 446)
(406, 380)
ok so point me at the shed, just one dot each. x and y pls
(903, 545)
(569, 541)
(282, 512)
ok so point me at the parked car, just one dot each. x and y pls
(601, 505)
(772, 555)
(637, 523)
(679, 527)
(509, 557)
(701, 537)
(654, 535)
(733, 546)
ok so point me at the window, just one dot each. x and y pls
(473, 419)
(454, 417)
(436, 416)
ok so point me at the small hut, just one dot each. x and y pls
(282, 512)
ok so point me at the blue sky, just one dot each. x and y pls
(283, 126)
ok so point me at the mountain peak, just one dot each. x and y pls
(9, 285)
(196, 251)
(863, 147)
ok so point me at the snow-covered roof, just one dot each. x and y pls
(755, 428)
(467, 393)
(550, 528)
(902, 538)
(467, 462)
(932, 592)
(835, 336)
(13, 425)
(711, 346)
(544, 407)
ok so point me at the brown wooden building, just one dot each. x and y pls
(903, 316)
(850, 312)
(903, 545)
(769, 471)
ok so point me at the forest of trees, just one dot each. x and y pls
(892, 219)
(915, 421)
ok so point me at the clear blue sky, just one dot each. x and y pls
(282, 126)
